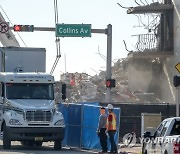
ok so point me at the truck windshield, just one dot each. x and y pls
(29, 91)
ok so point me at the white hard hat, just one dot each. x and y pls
(110, 106)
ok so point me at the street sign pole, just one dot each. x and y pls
(176, 81)
(177, 101)
(109, 59)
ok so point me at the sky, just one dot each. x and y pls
(77, 54)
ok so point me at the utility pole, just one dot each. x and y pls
(176, 82)
(177, 101)
(109, 59)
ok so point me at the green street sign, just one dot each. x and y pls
(73, 30)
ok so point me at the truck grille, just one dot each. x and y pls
(38, 115)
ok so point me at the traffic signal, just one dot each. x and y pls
(176, 81)
(23, 28)
(63, 91)
(110, 83)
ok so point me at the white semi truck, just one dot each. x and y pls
(28, 112)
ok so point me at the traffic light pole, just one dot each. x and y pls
(52, 29)
(177, 101)
(176, 82)
(108, 32)
(109, 59)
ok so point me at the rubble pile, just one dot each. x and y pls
(93, 89)
(82, 87)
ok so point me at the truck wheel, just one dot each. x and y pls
(38, 143)
(6, 140)
(57, 145)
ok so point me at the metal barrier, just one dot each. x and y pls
(147, 42)
(81, 124)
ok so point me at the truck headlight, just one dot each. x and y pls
(59, 122)
(14, 122)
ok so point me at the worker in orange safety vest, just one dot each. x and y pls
(111, 128)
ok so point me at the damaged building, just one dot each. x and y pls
(151, 66)
(146, 75)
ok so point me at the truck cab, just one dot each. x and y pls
(28, 112)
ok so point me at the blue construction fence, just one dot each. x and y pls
(81, 122)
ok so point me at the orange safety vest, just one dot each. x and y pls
(111, 125)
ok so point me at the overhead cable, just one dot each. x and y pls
(58, 55)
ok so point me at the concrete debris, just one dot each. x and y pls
(82, 87)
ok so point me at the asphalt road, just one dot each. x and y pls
(47, 148)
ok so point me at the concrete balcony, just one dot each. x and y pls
(150, 46)
(152, 8)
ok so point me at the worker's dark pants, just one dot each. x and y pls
(111, 134)
(103, 139)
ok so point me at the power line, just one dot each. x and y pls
(57, 56)
(57, 38)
